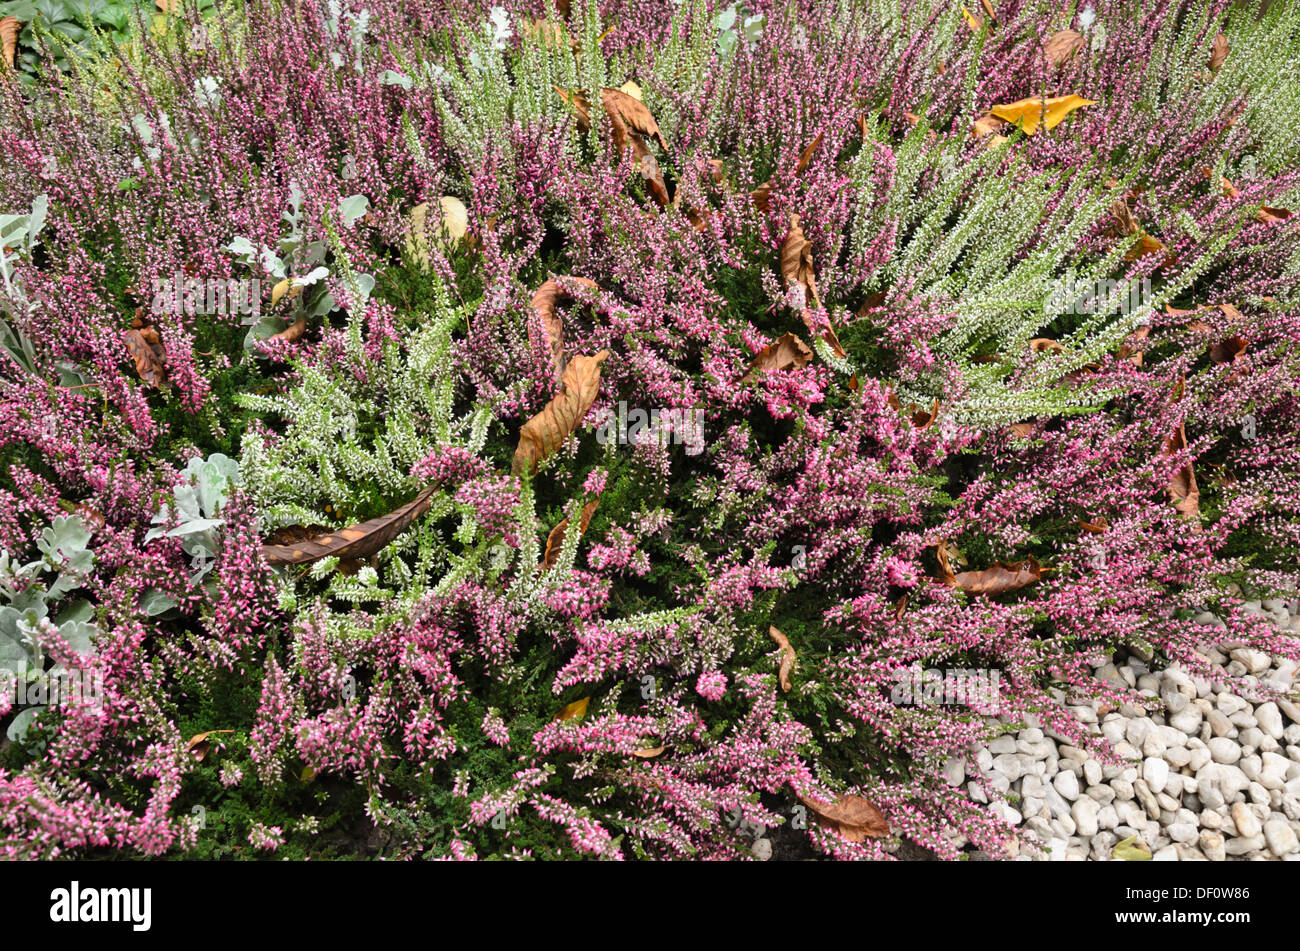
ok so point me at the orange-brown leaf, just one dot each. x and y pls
(797, 261)
(294, 331)
(147, 357)
(545, 433)
(1218, 52)
(632, 115)
(1182, 486)
(544, 303)
(555, 540)
(1230, 350)
(198, 744)
(648, 166)
(355, 541)
(649, 753)
(1127, 352)
(789, 660)
(1046, 345)
(999, 578)
(853, 817)
(1062, 47)
(787, 352)
(9, 29)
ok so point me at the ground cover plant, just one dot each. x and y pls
(457, 430)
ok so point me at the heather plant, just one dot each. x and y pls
(812, 231)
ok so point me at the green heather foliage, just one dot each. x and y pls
(577, 661)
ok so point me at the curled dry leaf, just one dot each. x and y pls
(1046, 345)
(921, 419)
(787, 352)
(998, 579)
(548, 35)
(627, 116)
(988, 125)
(1131, 350)
(631, 123)
(1094, 527)
(1268, 214)
(1122, 224)
(354, 542)
(1062, 47)
(1230, 350)
(544, 303)
(1034, 112)
(650, 753)
(555, 540)
(972, 21)
(294, 331)
(1182, 486)
(788, 661)
(1147, 245)
(198, 744)
(93, 518)
(574, 711)
(827, 332)
(148, 356)
(1229, 190)
(546, 432)
(853, 817)
(9, 29)
(289, 534)
(761, 196)
(1218, 52)
(797, 261)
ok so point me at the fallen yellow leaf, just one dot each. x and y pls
(1030, 113)
(574, 711)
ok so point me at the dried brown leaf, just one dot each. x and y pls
(148, 357)
(797, 261)
(1062, 47)
(1182, 486)
(787, 352)
(293, 332)
(788, 661)
(198, 744)
(9, 29)
(1218, 52)
(853, 817)
(574, 711)
(544, 303)
(555, 540)
(546, 432)
(354, 542)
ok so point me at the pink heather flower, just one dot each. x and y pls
(712, 686)
(494, 728)
(901, 572)
(595, 482)
(266, 837)
(231, 774)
